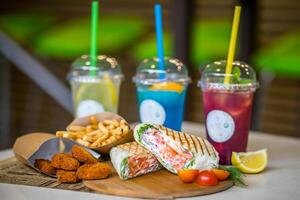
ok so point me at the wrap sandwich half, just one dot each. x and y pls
(176, 150)
(131, 160)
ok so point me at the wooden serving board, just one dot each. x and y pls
(157, 185)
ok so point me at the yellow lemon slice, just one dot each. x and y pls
(111, 89)
(104, 91)
(250, 162)
(170, 86)
(88, 91)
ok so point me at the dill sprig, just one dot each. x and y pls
(235, 175)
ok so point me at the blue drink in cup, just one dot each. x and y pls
(161, 93)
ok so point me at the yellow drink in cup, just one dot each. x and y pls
(94, 94)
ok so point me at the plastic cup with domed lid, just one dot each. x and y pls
(161, 92)
(97, 93)
(227, 103)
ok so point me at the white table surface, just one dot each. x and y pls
(281, 179)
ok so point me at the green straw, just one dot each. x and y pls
(94, 33)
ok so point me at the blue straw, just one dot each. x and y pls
(159, 36)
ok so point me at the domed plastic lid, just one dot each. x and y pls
(148, 72)
(242, 78)
(105, 66)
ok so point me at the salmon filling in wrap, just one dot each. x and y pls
(132, 160)
(176, 150)
(169, 151)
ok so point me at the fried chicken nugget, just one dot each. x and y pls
(64, 161)
(66, 176)
(82, 155)
(93, 171)
(44, 166)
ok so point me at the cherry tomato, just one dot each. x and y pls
(221, 174)
(188, 175)
(207, 178)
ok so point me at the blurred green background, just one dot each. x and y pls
(57, 32)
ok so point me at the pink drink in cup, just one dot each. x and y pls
(227, 107)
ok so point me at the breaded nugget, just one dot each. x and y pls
(93, 171)
(82, 155)
(44, 166)
(66, 176)
(64, 161)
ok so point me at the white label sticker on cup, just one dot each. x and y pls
(89, 107)
(152, 112)
(220, 125)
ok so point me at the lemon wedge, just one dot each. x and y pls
(250, 162)
(169, 86)
(105, 92)
(111, 89)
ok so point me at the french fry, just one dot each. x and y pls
(60, 133)
(76, 128)
(102, 128)
(89, 128)
(115, 123)
(108, 141)
(118, 137)
(123, 134)
(125, 129)
(80, 134)
(117, 131)
(89, 138)
(107, 122)
(97, 134)
(110, 127)
(103, 143)
(99, 140)
(69, 134)
(83, 142)
(93, 120)
(113, 138)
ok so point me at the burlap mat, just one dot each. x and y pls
(14, 172)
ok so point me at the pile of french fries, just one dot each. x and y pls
(96, 134)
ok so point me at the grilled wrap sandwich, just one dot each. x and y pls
(131, 160)
(176, 150)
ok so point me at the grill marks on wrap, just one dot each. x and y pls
(191, 142)
(187, 141)
(198, 145)
(211, 150)
(167, 131)
(205, 146)
(140, 160)
(214, 153)
(178, 136)
(134, 149)
(171, 133)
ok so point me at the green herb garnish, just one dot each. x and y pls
(143, 128)
(236, 73)
(236, 78)
(235, 175)
(192, 162)
(124, 165)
